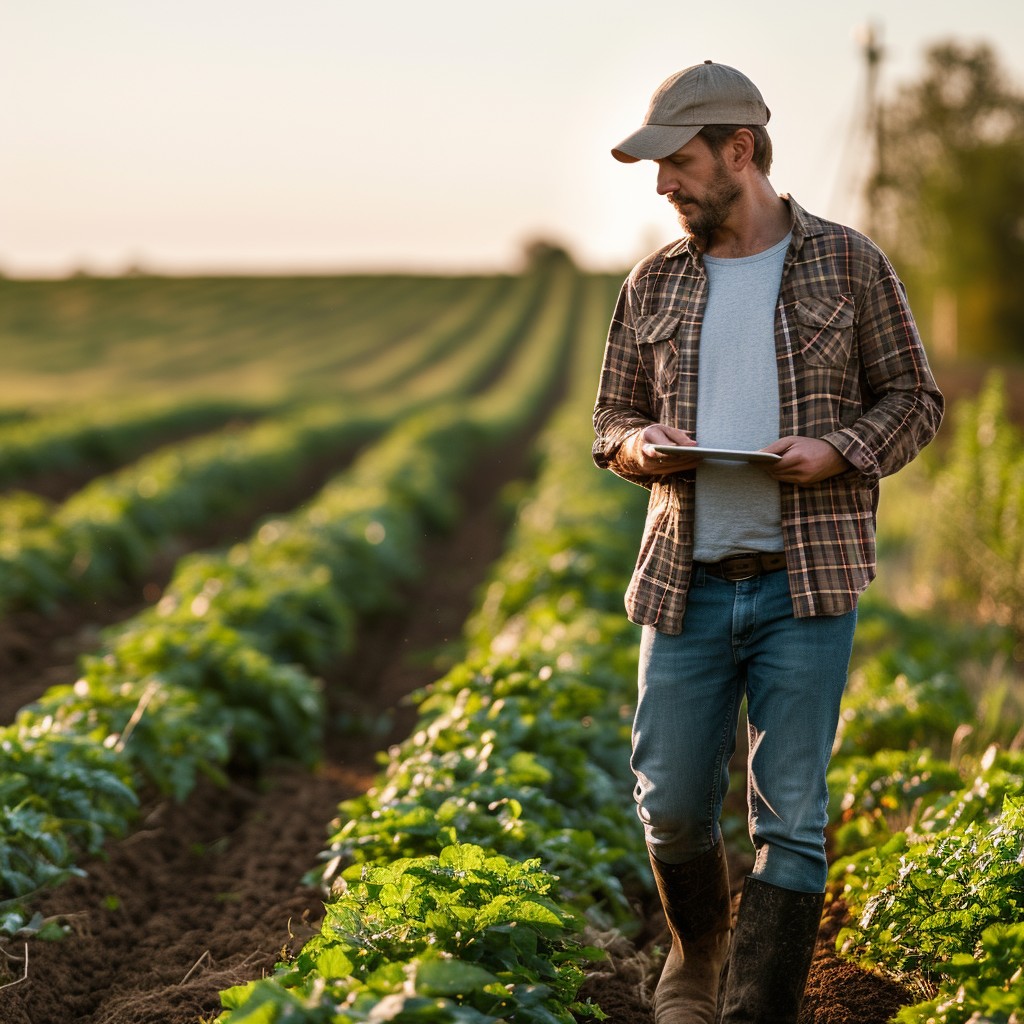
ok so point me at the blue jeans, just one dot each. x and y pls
(741, 639)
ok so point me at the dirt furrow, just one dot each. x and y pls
(202, 894)
(39, 650)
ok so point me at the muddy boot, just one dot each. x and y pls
(771, 954)
(695, 896)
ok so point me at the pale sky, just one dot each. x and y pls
(332, 135)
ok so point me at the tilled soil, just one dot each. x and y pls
(39, 650)
(207, 893)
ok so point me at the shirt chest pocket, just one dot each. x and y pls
(658, 344)
(824, 329)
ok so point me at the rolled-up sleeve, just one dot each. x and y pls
(624, 405)
(905, 407)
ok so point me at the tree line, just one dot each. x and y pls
(945, 200)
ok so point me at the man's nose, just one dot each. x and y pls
(668, 181)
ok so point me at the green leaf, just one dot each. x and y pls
(462, 857)
(332, 963)
(437, 977)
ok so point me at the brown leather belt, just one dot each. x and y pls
(745, 566)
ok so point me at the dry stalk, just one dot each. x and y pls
(140, 710)
(24, 973)
(194, 967)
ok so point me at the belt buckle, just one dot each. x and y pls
(734, 575)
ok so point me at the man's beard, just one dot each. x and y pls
(710, 212)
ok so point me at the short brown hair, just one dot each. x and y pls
(716, 136)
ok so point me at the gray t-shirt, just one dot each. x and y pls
(737, 505)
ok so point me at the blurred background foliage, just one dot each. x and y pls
(944, 200)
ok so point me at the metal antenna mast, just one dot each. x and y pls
(870, 40)
(860, 168)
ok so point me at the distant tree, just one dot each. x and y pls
(544, 253)
(947, 199)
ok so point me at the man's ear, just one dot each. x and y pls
(738, 151)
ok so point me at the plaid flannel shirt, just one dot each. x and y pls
(851, 370)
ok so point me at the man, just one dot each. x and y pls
(763, 329)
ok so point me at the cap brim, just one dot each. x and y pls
(655, 142)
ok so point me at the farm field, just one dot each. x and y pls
(243, 519)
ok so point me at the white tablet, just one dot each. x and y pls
(726, 454)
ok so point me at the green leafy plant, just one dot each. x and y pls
(976, 557)
(986, 984)
(433, 938)
(887, 709)
(927, 908)
(59, 795)
(870, 797)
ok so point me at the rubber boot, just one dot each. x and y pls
(771, 953)
(695, 897)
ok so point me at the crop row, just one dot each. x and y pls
(103, 438)
(533, 304)
(221, 669)
(479, 328)
(109, 532)
(269, 340)
(463, 881)
(928, 781)
(930, 849)
(176, 335)
(81, 322)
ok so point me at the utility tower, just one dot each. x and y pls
(870, 40)
(861, 166)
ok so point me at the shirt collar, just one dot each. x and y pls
(804, 225)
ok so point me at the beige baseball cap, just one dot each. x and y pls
(706, 93)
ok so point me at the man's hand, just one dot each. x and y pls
(805, 460)
(643, 459)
